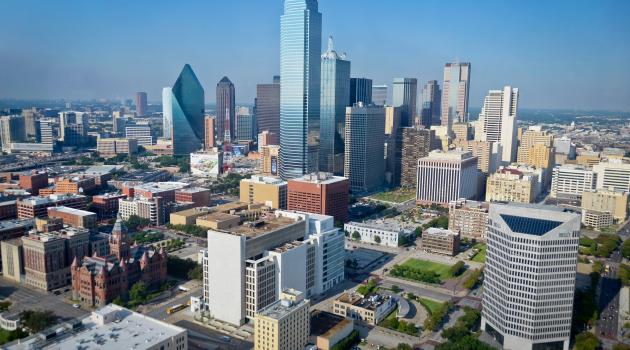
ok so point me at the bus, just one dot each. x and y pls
(175, 308)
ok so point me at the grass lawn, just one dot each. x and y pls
(440, 269)
(399, 195)
(481, 256)
(430, 304)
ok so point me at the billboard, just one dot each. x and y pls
(274, 165)
(206, 164)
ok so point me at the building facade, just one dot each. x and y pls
(469, 218)
(226, 110)
(455, 92)
(360, 91)
(271, 192)
(497, 121)
(404, 95)
(319, 193)
(416, 144)
(440, 241)
(268, 107)
(571, 180)
(509, 185)
(364, 164)
(385, 233)
(445, 177)
(612, 201)
(431, 104)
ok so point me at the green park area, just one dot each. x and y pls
(431, 305)
(480, 256)
(427, 271)
(398, 195)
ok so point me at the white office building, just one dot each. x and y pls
(570, 181)
(447, 176)
(530, 274)
(613, 174)
(497, 121)
(249, 265)
(389, 233)
(140, 132)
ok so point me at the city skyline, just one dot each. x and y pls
(540, 55)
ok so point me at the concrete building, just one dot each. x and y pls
(416, 144)
(597, 219)
(447, 176)
(37, 207)
(209, 124)
(111, 327)
(565, 146)
(12, 130)
(75, 185)
(140, 132)
(285, 324)
(164, 189)
(74, 217)
(329, 329)
(455, 92)
(268, 107)
(509, 185)
(536, 148)
(319, 193)
(270, 191)
(245, 126)
(12, 259)
(571, 180)
(588, 159)
(141, 104)
(266, 138)
(270, 160)
(364, 164)
(497, 121)
(33, 181)
(199, 196)
(15, 228)
(250, 264)
(371, 309)
(379, 95)
(440, 241)
(488, 153)
(109, 148)
(610, 200)
(613, 174)
(469, 218)
(106, 205)
(152, 209)
(431, 103)
(529, 278)
(381, 232)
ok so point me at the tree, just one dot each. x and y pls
(356, 236)
(418, 232)
(586, 341)
(134, 222)
(377, 239)
(403, 346)
(473, 279)
(139, 292)
(621, 346)
(178, 267)
(625, 249)
(119, 301)
(37, 320)
(411, 296)
(196, 273)
(457, 269)
(396, 289)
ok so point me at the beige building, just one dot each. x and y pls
(392, 119)
(440, 241)
(218, 221)
(462, 132)
(370, 309)
(488, 153)
(508, 185)
(12, 259)
(536, 148)
(111, 147)
(469, 218)
(270, 160)
(329, 329)
(283, 325)
(607, 200)
(188, 216)
(270, 191)
(588, 159)
(596, 219)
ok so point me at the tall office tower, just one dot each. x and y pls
(416, 144)
(360, 91)
(31, 126)
(379, 95)
(268, 107)
(530, 276)
(140, 132)
(226, 110)
(536, 148)
(405, 95)
(300, 71)
(167, 113)
(393, 145)
(46, 135)
(431, 103)
(12, 130)
(210, 132)
(364, 162)
(184, 105)
(319, 193)
(65, 119)
(445, 177)
(245, 126)
(335, 93)
(141, 104)
(497, 121)
(455, 90)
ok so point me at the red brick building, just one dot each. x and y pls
(96, 281)
(319, 193)
(199, 196)
(75, 185)
(106, 205)
(33, 181)
(73, 217)
(8, 209)
(37, 207)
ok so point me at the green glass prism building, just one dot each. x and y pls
(183, 108)
(335, 93)
(300, 73)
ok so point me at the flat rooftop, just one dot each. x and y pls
(218, 217)
(320, 178)
(260, 227)
(281, 308)
(156, 187)
(370, 302)
(49, 199)
(434, 231)
(268, 180)
(193, 190)
(129, 330)
(71, 211)
(13, 224)
(381, 225)
(326, 324)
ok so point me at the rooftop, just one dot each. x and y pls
(269, 180)
(320, 178)
(452, 155)
(260, 227)
(193, 190)
(71, 211)
(283, 307)
(156, 187)
(434, 231)
(382, 225)
(13, 224)
(370, 302)
(49, 199)
(326, 324)
(111, 327)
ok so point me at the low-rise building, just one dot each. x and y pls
(607, 200)
(370, 309)
(596, 219)
(75, 185)
(73, 217)
(269, 191)
(37, 207)
(509, 185)
(469, 218)
(109, 148)
(329, 329)
(197, 195)
(381, 232)
(15, 228)
(283, 325)
(106, 205)
(152, 209)
(440, 241)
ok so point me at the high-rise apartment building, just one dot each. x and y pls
(455, 92)
(140, 132)
(209, 124)
(529, 281)
(613, 174)
(141, 104)
(405, 95)
(469, 218)
(183, 107)
(497, 121)
(46, 134)
(364, 164)
(393, 145)
(319, 193)
(571, 180)
(360, 91)
(300, 71)
(335, 93)
(416, 144)
(270, 191)
(488, 153)
(447, 176)
(12, 130)
(268, 107)
(536, 148)
(509, 185)
(31, 125)
(152, 209)
(379, 95)
(226, 110)
(431, 103)
(285, 324)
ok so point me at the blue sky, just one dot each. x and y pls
(561, 53)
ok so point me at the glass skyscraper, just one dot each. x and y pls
(184, 113)
(405, 95)
(226, 107)
(431, 100)
(455, 90)
(300, 73)
(334, 98)
(360, 91)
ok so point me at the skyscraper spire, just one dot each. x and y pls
(330, 43)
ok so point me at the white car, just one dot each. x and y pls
(76, 306)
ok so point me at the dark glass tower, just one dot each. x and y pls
(431, 103)
(226, 107)
(186, 107)
(360, 91)
(268, 107)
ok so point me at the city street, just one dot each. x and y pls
(200, 337)
(608, 323)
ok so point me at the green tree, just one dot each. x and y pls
(586, 341)
(396, 289)
(473, 279)
(196, 273)
(139, 292)
(377, 239)
(621, 346)
(119, 301)
(625, 249)
(457, 269)
(411, 296)
(37, 320)
(178, 267)
(356, 236)
(134, 222)
(403, 346)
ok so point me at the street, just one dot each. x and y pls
(607, 325)
(200, 337)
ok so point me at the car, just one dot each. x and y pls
(76, 306)
(226, 339)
